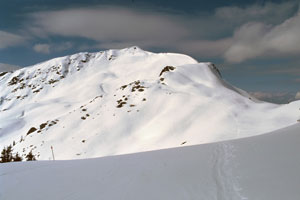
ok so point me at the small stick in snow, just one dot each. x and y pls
(52, 152)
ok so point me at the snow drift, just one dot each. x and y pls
(123, 101)
(262, 167)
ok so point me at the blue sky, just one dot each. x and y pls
(256, 44)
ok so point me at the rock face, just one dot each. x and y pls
(123, 101)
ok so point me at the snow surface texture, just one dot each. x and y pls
(123, 101)
(264, 167)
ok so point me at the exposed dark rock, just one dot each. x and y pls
(15, 80)
(31, 130)
(43, 125)
(3, 73)
(167, 69)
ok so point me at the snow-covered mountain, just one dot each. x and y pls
(124, 101)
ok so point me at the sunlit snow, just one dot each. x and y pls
(124, 101)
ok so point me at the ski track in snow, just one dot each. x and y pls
(226, 182)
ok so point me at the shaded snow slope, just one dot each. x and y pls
(124, 101)
(262, 167)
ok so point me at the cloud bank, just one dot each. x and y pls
(6, 67)
(47, 48)
(276, 97)
(9, 39)
(240, 34)
(297, 97)
(110, 24)
(258, 39)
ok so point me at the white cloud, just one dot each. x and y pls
(109, 24)
(297, 97)
(48, 48)
(7, 67)
(42, 48)
(235, 33)
(270, 13)
(10, 39)
(257, 40)
(62, 46)
(117, 27)
(205, 48)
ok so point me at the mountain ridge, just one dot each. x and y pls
(124, 101)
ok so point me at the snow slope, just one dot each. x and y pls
(264, 167)
(123, 101)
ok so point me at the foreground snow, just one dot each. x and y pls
(263, 167)
(124, 101)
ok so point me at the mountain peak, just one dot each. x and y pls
(123, 101)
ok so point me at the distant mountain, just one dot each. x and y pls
(124, 101)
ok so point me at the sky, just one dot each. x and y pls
(255, 44)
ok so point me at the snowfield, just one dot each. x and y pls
(264, 167)
(124, 101)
